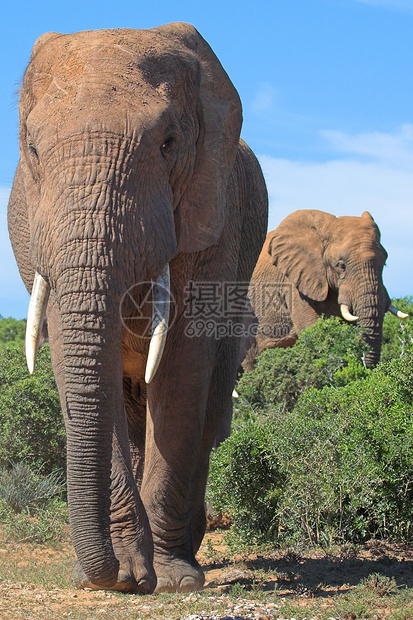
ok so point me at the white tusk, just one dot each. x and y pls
(346, 314)
(35, 318)
(235, 394)
(161, 297)
(398, 313)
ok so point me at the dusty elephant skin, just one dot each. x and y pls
(130, 159)
(317, 264)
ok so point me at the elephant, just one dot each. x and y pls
(134, 197)
(317, 264)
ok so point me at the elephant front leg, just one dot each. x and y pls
(177, 402)
(130, 530)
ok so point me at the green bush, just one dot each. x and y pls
(327, 354)
(31, 423)
(12, 330)
(338, 468)
(397, 333)
(246, 481)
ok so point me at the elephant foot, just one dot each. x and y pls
(176, 574)
(133, 579)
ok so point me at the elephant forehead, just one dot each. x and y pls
(352, 231)
(350, 224)
(135, 61)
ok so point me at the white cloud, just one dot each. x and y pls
(377, 177)
(395, 150)
(264, 99)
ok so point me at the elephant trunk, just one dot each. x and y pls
(373, 338)
(370, 306)
(93, 400)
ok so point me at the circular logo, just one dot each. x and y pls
(144, 306)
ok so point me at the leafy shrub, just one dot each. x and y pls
(12, 330)
(327, 354)
(337, 468)
(397, 334)
(246, 482)
(31, 423)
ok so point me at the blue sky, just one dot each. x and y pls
(327, 93)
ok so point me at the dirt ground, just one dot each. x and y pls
(35, 584)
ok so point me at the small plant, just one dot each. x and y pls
(41, 526)
(22, 487)
(236, 590)
(379, 584)
(210, 552)
(366, 599)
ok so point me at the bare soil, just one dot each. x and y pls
(35, 584)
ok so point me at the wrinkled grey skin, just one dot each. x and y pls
(310, 264)
(131, 159)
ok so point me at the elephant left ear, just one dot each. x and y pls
(200, 215)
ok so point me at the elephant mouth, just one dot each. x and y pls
(160, 320)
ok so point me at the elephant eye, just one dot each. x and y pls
(341, 266)
(32, 149)
(167, 146)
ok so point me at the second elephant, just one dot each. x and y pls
(317, 264)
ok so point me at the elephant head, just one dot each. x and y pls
(127, 141)
(323, 255)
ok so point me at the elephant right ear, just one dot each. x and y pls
(200, 215)
(296, 249)
(42, 40)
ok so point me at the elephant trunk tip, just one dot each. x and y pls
(92, 579)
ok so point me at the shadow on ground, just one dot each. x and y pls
(313, 573)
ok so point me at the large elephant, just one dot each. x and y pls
(317, 264)
(130, 161)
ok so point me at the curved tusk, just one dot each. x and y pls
(35, 318)
(346, 314)
(161, 294)
(398, 313)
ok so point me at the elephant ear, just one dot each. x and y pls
(367, 216)
(42, 40)
(200, 215)
(297, 250)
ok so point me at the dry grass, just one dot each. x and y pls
(374, 582)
